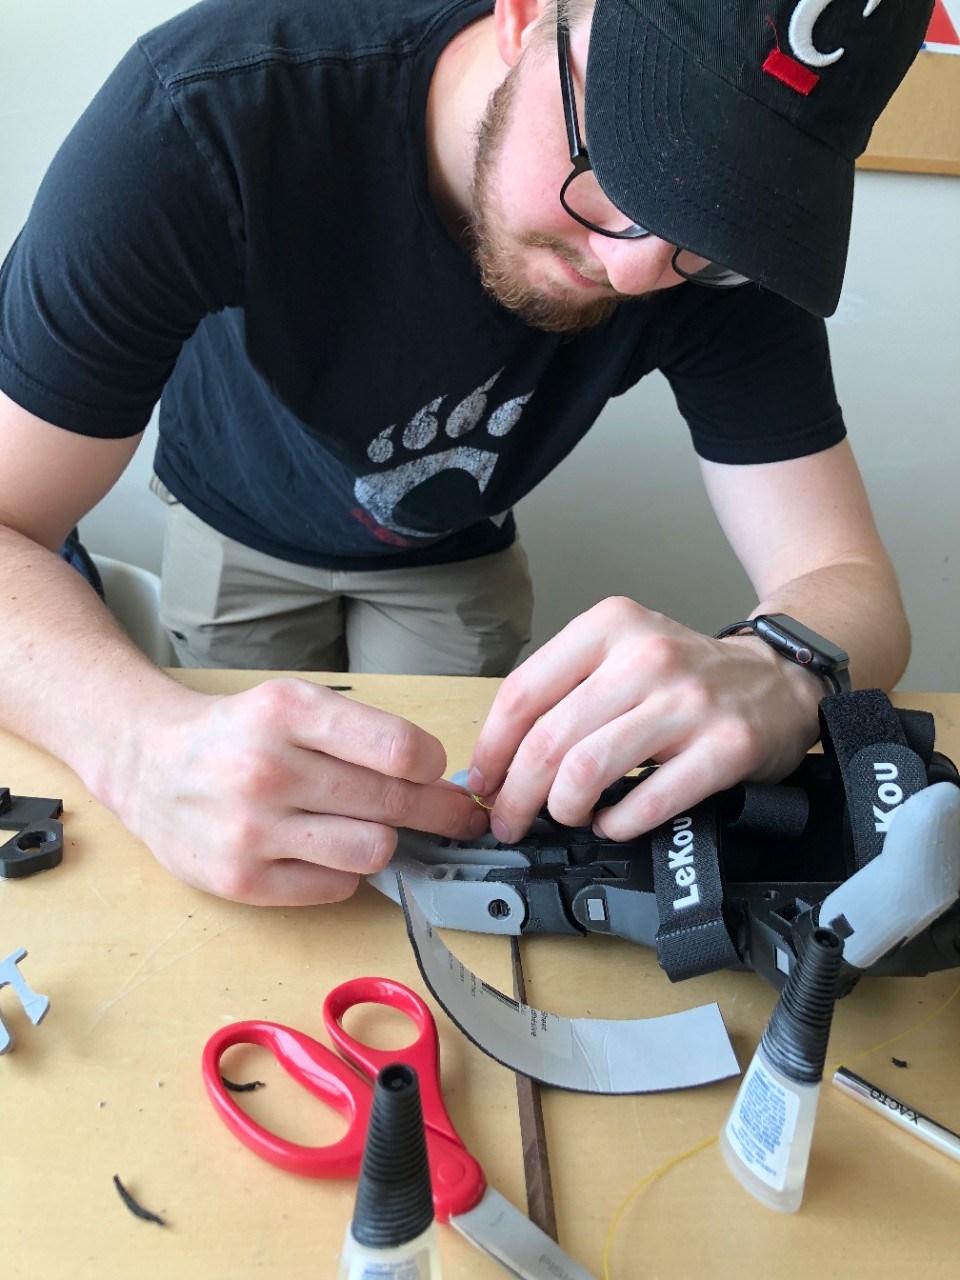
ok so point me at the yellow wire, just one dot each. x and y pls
(476, 799)
(668, 1164)
(900, 1034)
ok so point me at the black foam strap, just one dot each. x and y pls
(920, 732)
(778, 812)
(865, 735)
(692, 937)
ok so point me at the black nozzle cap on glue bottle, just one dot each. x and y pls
(796, 1036)
(394, 1197)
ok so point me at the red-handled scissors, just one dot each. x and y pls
(461, 1196)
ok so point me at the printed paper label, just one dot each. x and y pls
(762, 1125)
(414, 1267)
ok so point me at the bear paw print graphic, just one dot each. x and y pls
(423, 451)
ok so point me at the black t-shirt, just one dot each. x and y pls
(241, 221)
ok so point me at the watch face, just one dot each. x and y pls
(800, 643)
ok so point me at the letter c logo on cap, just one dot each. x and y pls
(803, 21)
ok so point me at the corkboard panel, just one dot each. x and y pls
(919, 132)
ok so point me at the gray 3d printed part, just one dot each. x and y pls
(586, 1055)
(451, 885)
(913, 881)
(35, 1006)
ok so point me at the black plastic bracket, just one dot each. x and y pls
(38, 842)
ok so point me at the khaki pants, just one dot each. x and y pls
(226, 605)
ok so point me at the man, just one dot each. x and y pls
(346, 243)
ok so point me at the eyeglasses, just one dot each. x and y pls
(583, 198)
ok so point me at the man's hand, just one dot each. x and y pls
(284, 794)
(621, 685)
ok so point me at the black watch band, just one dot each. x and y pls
(797, 643)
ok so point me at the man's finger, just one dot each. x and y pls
(675, 787)
(321, 720)
(342, 844)
(320, 784)
(528, 693)
(593, 736)
(290, 882)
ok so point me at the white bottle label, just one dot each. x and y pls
(762, 1124)
(415, 1266)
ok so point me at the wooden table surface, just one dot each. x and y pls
(140, 969)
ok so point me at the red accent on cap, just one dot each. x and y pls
(790, 72)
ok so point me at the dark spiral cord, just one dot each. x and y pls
(795, 1038)
(394, 1197)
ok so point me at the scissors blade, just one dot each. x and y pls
(509, 1237)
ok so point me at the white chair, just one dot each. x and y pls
(133, 597)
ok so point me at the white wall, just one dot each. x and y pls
(597, 526)
(54, 55)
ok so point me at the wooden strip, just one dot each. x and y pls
(536, 1161)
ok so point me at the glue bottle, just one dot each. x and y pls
(392, 1235)
(766, 1139)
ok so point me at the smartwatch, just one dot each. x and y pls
(797, 643)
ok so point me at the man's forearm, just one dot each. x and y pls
(857, 605)
(73, 682)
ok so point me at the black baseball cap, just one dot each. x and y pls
(731, 127)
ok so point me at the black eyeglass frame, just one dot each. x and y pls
(578, 152)
(580, 160)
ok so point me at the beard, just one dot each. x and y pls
(500, 255)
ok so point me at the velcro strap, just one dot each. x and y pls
(865, 735)
(692, 937)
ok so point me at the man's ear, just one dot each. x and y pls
(513, 21)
